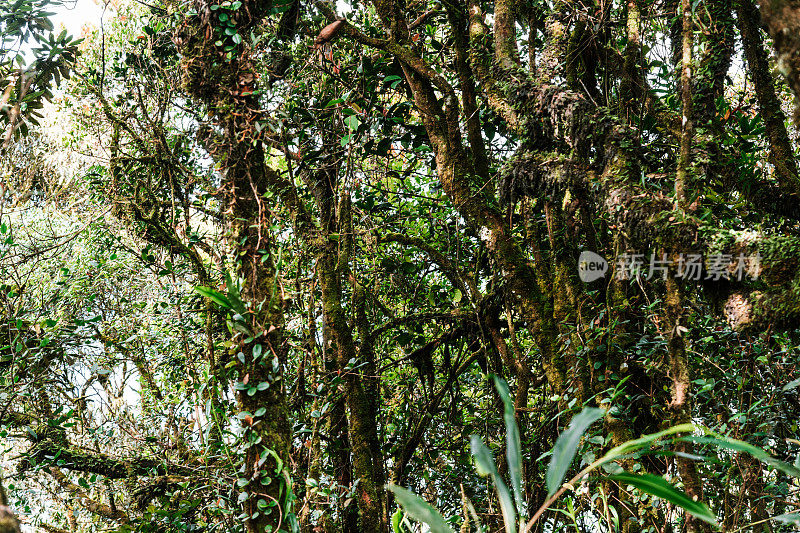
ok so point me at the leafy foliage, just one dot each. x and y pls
(262, 262)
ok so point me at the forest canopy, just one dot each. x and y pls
(400, 265)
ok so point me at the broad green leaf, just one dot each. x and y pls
(233, 295)
(457, 296)
(567, 445)
(484, 462)
(215, 296)
(352, 122)
(420, 510)
(658, 486)
(513, 444)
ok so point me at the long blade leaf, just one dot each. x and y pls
(740, 446)
(659, 487)
(567, 445)
(513, 444)
(788, 518)
(635, 445)
(215, 296)
(233, 295)
(486, 467)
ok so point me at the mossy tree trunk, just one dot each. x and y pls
(225, 85)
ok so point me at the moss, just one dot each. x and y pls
(538, 174)
(776, 308)
(554, 118)
(8, 521)
(714, 64)
(779, 254)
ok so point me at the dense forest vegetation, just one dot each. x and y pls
(400, 265)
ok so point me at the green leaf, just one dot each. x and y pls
(635, 445)
(397, 518)
(567, 445)
(420, 510)
(513, 444)
(457, 296)
(658, 486)
(215, 296)
(392, 80)
(791, 385)
(788, 518)
(484, 462)
(727, 443)
(506, 505)
(486, 467)
(352, 122)
(233, 295)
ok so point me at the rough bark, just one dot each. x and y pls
(687, 130)
(781, 153)
(332, 259)
(681, 396)
(782, 18)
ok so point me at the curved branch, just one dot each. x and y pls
(92, 505)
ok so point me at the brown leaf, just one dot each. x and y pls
(328, 32)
